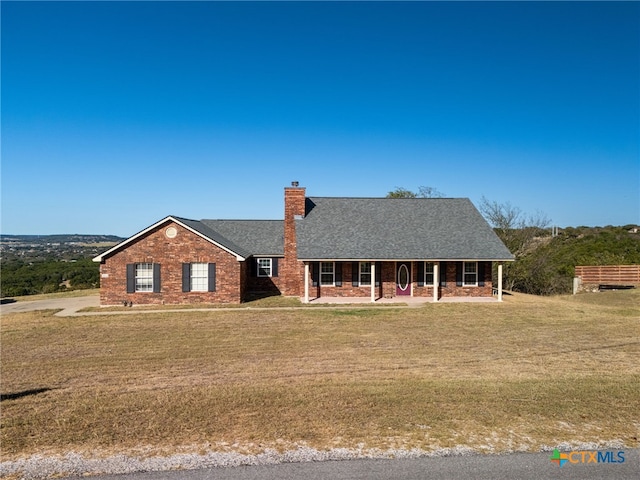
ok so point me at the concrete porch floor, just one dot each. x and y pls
(413, 301)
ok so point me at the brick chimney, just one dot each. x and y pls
(292, 269)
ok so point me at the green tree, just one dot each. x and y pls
(549, 268)
(21, 278)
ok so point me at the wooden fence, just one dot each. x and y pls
(609, 274)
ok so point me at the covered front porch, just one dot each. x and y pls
(400, 281)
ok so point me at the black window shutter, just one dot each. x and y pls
(212, 277)
(481, 267)
(338, 267)
(315, 273)
(274, 267)
(254, 267)
(131, 277)
(156, 278)
(378, 273)
(355, 272)
(421, 274)
(459, 273)
(443, 274)
(186, 277)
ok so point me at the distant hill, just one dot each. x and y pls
(70, 239)
(30, 248)
(33, 264)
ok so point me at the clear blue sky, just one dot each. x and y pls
(117, 114)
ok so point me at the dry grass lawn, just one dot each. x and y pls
(513, 376)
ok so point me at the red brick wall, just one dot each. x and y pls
(257, 287)
(453, 290)
(292, 270)
(388, 279)
(347, 289)
(263, 285)
(186, 247)
(419, 291)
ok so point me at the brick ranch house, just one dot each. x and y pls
(325, 247)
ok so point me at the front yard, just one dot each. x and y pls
(526, 374)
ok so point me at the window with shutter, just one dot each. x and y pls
(327, 273)
(365, 273)
(264, 267)
(428, 273)
(144, 277)
(199, 277)
(470, 275)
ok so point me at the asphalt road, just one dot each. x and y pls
(477, 467)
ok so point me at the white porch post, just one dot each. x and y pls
(306, 282)
(436, 280)
(500, 282)
(373, 281)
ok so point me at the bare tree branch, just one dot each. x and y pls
(423, 192)
(429, 192)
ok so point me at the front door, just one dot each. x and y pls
(403, 278)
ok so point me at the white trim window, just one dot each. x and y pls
(470, 274)
(327, 273)
(144, 277)
(428, 273)
(199, 277)
(365, 274)
(264, 267)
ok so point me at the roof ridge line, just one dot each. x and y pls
(240, 220)
(393, 198)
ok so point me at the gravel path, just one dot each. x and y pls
(74, 464)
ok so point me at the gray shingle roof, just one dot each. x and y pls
(361, 229)
(396, 228)
(251, 237)
(216, 236)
